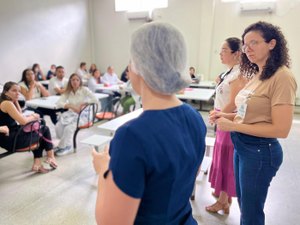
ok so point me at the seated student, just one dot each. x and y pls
(93, 83)
(148, 175)
(11, 116)
(51, 72)
(124, 75)
(94, 80)
(32, 89)
(110, 77)
(39, 75)
(192, 72)
(93, 67)
(130, 96)
(58, 83)
(74, 99)
(82, 71)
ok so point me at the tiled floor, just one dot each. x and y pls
(67, 195)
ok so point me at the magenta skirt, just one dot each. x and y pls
(221, 175)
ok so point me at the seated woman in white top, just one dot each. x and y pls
(74, 99)
(95, 80)
(32, 89)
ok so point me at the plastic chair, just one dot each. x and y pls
(106, 114)
(32, 146)
(90, 109)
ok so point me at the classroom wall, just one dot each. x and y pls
(112, 30)
(205, 24)
(67, 32)
(44, 32)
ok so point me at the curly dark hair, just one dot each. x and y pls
(278, 55)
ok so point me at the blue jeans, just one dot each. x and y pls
(256, 161)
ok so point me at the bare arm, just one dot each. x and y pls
(59, 90)
(279, 128)
(11, 109)
(28, 94)
(113, 207)
(43, 90)
(43, 75)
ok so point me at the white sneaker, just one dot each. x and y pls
(56, 149)
(64, 151)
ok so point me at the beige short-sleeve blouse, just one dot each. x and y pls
(280, 89)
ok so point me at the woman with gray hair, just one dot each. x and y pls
(149, 173)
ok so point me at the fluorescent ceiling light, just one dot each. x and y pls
(139, 5)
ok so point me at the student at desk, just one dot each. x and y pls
(12, 117)
(74, 99)
(154, 159)
(32, 89)
(58, 83)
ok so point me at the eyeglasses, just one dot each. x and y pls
(250, 45)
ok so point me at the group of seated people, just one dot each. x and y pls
(73, 97)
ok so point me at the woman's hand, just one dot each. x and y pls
(101, 160)
(4, 130)
(213, 116)
(33, 84)
(36, 116)
(225, 124)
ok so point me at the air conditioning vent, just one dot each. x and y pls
(144, 15)
(257, 7)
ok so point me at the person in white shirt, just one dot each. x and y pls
(95, 80)
(110, 77)
(32, 89)
(82, 71)
(58, 83)
(74, 99)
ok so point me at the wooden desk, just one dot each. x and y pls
(114, 124)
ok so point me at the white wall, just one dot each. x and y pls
(204, 23)
(67, 32)
(44, 32)
(113, 30)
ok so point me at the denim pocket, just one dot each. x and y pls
(276, 155)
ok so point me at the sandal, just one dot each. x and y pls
(52, 162)
(217, 207)
(39, 169)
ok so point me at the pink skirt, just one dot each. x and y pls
(221, 175)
